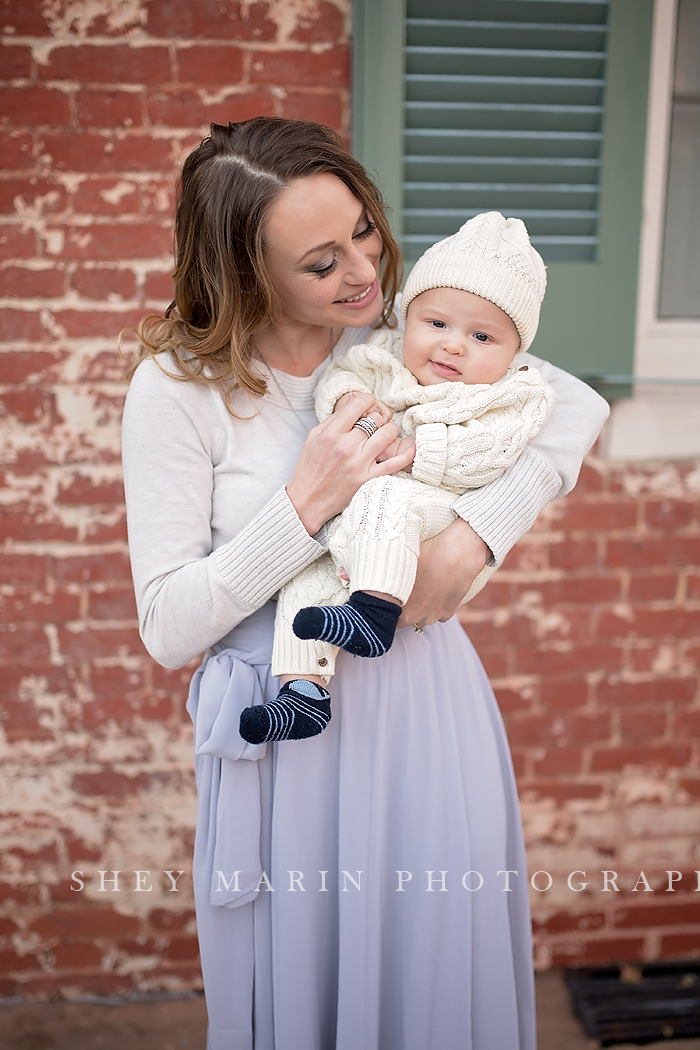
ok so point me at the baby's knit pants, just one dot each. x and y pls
(377, 541)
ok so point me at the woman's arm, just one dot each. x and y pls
(504, 510)
(548, 468)
(188, 596)
(448, 565)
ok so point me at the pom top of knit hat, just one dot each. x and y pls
(490, 256)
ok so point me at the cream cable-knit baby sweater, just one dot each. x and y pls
(466, 434)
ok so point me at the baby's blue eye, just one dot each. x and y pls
(438, 324)
(481, 336)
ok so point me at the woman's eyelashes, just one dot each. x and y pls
(369, 229)
(324, 271)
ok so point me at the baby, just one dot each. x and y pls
(453, 383)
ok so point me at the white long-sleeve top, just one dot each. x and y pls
(466, 434)
(212, 533)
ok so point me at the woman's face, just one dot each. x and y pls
(322, 254)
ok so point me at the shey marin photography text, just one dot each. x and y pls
(440, 881)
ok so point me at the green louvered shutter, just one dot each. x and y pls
(504, 104)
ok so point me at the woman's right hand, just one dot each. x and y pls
(337, 458)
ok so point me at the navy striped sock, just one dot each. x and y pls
(364, 626)
(300, 709)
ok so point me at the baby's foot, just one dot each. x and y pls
(300, 709)
(364, 626)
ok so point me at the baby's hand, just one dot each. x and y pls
(397, 447)
(378, 407)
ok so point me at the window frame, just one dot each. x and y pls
(665, 347)
(589, 313)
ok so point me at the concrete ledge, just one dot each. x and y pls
(163, 1024)
(180, 1024)
(650, 426)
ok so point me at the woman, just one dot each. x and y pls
(350, 888)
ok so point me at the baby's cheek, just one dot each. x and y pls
(415, 357)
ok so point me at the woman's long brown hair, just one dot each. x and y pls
(223, 293)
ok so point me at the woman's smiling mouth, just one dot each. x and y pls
(360, 297)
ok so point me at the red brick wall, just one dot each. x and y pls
(591, 635)
(590, 631)
(100, 100)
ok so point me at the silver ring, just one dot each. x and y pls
(367, 424)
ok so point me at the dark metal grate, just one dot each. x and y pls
(638, 1004)
(503, 111)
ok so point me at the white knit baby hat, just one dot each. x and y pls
(492, 257)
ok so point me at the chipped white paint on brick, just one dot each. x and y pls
(601, 830)
(671, 660)
(76, 17)
(54, 240)
(544, 822)
(71, 20)
(656, 853)
(559, 861)
(36, 207)
(662, 821)
(290, 15)
(634, 787)
(115, 193)
(664, 480)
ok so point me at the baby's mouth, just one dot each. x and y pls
(445, 367)
(357, 298)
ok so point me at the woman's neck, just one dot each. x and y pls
(296, 349)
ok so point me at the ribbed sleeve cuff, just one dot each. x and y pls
(431, 453)
(503, 511)
(271, 549)
(328, 394)
(382, 564)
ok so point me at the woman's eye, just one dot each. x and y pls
(481, 336)
(438, 324)
(368, 230)
(324, 271)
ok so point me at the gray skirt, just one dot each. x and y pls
(352, 889)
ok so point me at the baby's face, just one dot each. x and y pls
(456, 336)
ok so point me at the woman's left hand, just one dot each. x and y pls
(447, 567)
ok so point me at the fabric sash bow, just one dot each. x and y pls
(226, 683)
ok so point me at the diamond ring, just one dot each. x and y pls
(367, 424)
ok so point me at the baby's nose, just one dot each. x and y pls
(455, 344)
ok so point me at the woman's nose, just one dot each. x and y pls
(362, 270)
